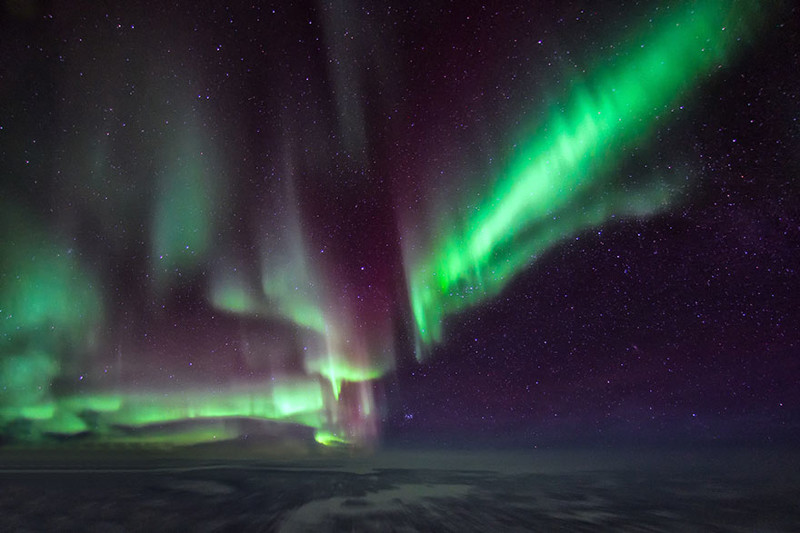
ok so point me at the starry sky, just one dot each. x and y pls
(531, 223)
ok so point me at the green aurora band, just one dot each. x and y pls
(550, 188)
(114, 415)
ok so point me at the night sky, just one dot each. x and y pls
(529, 223)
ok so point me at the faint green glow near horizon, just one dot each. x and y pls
(297, 401)
(327, 438)
(133, 416)
(301, 401)
(557, 183)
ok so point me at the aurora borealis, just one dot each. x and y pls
(533, 203)
(373, 222)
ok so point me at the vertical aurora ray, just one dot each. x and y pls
(184, 208)
(288, 279)
(550, 188)
(333, 353)
(145, 199)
